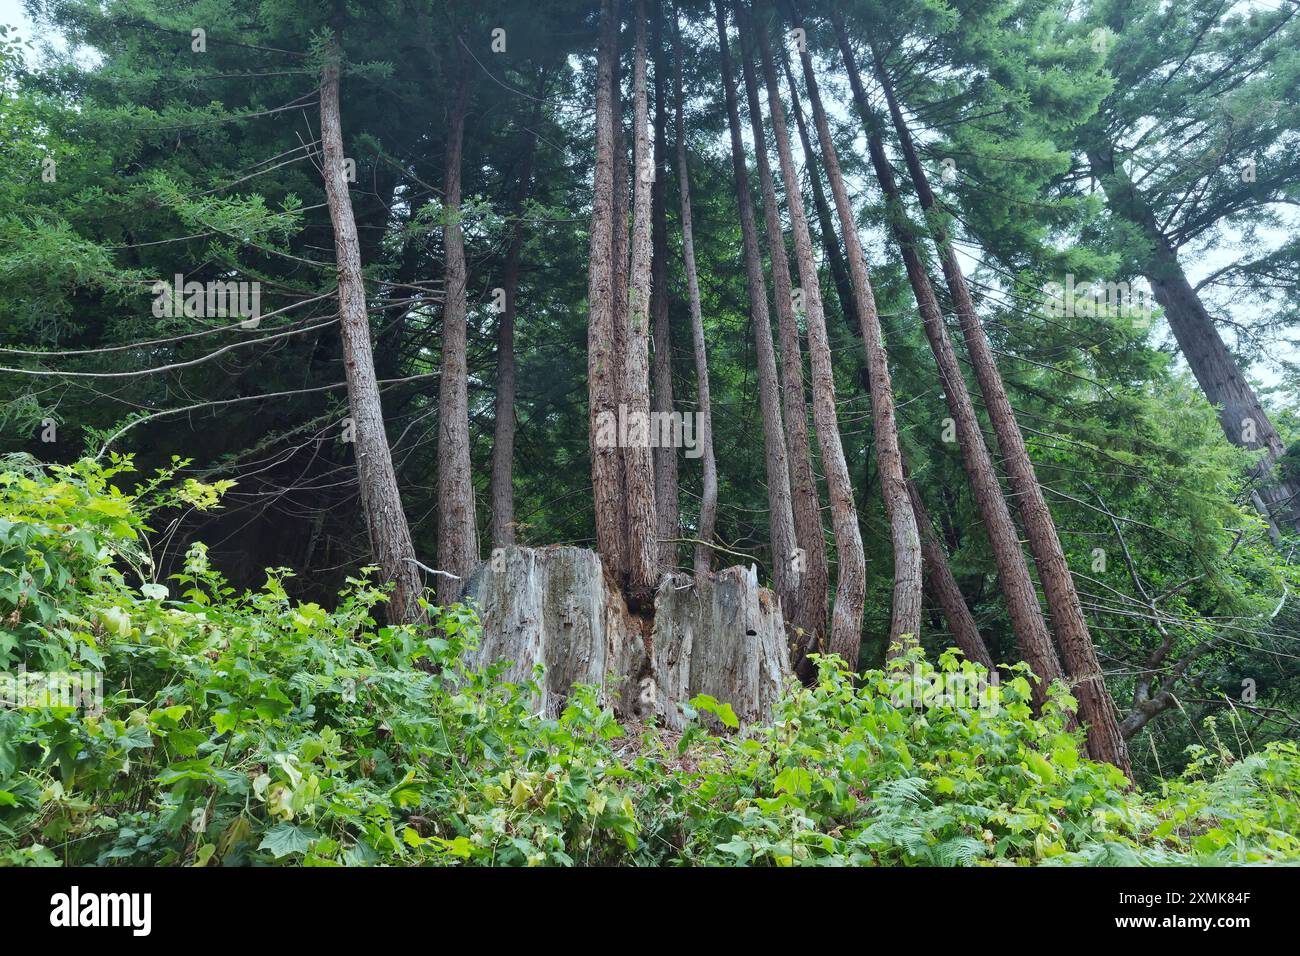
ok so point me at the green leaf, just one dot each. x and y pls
(286, 838)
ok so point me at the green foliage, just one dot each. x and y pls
(255, 729)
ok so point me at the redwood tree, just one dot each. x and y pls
(906, 542)
(846, 615)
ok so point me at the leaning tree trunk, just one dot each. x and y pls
(503, 444)
(1077, 651)
(1242, 417)
(825, 220)
(780, 508)
(850, 592)
(643, 570)
(812, 575)
(906, 624)
(604, 346)
(381, 504)
(709, 488)
(943, 586)
(1013, 571)
(666, 454)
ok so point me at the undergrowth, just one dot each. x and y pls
(252, 729)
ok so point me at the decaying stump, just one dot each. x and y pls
(720, 635)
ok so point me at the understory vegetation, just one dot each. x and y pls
(251, 728)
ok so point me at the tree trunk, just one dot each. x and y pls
(643, 570)
(811, 575)
(904, 536)
(665, 455)
(457, 528)
(717, 634)
(942, 584)
(381, 504)
(780, 508)
(503, 444)
(1077, 651)
(826, 222)
(850, 592)
(604, 346)
(1243, 419)
(1013, 571)
(709, 488)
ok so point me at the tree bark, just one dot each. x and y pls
(942, 584)
(1242, 417)
(809, 614)
(381, 503)
(643, 569)
(780, 508)
(904, 536)
(825, 220)
(850, 593)
(1013, 571)
(604, 346)
(1077, 651)
(457, 528)
(665, 456)
(709, 488)
(503, 444)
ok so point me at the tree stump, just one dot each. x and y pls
(718, 634)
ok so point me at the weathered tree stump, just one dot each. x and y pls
(718, 634)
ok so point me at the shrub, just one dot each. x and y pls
(255, 729)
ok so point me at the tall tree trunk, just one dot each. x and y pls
(665, 455)
(903, 532)
(709, 488)
(381, 504)
(825, 220)
(1077, 651)
(643, 570)
(780, 508)
(604, 346)
(943, 586)
(1013, 571)
(503, 445)
(850, 592)
(457, 529)
(1243, 419)
(811, 574)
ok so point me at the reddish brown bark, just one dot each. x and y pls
(1242, 417)
(904, 537)
(604, 346)
(1013, 571)
(811, 575)
(1077, 651)
(781, 514)
(943, 586)
(846, 615)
